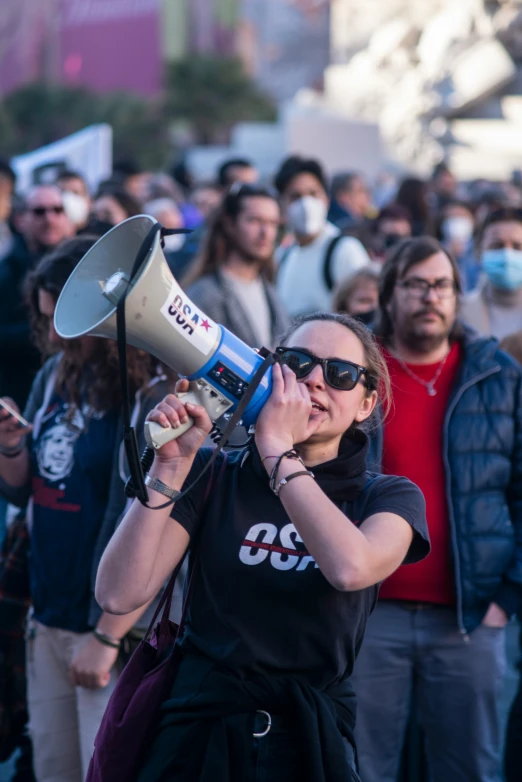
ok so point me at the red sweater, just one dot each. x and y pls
(413, 448)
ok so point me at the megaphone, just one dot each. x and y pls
(161, 319)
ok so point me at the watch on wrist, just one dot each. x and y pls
(162, 488)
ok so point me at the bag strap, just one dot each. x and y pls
(165, 601)
(327, 263)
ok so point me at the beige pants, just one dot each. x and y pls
(63, 719)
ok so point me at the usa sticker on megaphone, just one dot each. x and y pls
(189, 322)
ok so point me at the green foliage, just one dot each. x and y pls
(210, 94)
(39, 114)
(206, 94)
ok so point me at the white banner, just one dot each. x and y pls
(89, 151)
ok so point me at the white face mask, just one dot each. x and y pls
(307, 216)
(458, 228)
(174, 242)
(76, 207)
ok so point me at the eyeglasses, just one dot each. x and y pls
(339, 374)
(419, 289)
(40, 211)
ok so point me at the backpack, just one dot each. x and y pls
(327, 261)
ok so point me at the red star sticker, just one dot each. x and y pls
(206, 325)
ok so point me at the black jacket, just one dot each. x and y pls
(482, 448)
(19, 360)
(206, 725)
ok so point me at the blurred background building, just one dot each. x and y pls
(123, 44)
(419, 80)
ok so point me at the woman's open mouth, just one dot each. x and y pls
(316, 407)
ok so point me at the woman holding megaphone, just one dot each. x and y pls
(290, 550)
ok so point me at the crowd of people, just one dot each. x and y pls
(419, 283)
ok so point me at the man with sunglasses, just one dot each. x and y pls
(437, 635)
(44, 225)
(495, 307)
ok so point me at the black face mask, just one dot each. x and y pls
(390, 240)
(368, 318)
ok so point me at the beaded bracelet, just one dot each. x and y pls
(288, 478)
(12, 454)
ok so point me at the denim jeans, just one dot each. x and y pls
(513, 749)
(413, 650)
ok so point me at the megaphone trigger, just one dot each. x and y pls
(200, 393)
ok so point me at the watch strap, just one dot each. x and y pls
(161, 487)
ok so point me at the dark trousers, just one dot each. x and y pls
(274, 757)
(418, 652)
(513, 751)
(277, 757)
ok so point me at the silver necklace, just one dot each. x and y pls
(429, 385)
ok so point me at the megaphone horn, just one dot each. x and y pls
(160, 319)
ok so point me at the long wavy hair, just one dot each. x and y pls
(93, 380)
(219, 240)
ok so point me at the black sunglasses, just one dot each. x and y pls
(343, 375)
(40, 211)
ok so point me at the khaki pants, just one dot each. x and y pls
(63, 719)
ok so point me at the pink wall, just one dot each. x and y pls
(102, 44)
(112, 44)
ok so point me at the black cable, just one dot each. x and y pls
(268, 361)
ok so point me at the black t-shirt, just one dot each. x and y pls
(259, 601)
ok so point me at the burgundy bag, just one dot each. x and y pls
(133, 709)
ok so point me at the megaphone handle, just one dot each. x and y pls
(156, 435)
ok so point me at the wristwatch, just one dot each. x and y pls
(161, 487)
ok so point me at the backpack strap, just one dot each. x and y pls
(327, 263)
(284, 257)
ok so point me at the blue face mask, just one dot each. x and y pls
(503, 268)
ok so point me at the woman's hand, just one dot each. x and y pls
(285, 418)
(173, 412)
(92, 664)
(11, 431)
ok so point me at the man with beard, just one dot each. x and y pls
(232, 279)
(44, 225)
(455, 429)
